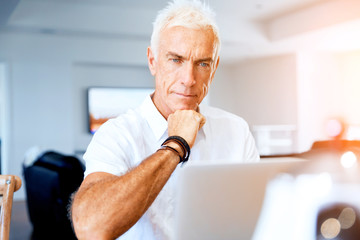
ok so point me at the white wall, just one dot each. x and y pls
(263, 90)
(349, 67)
(222, 89)
(320, 95)
(2, 81)
(269, 86)
(328, 88)
(4, 134)
(5, 115)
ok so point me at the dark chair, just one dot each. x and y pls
(50, 181)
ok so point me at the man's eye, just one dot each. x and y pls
(203, 64)
(175, 60)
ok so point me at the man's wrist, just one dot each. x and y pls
(177, 147)
(180, 145)
(172, 149)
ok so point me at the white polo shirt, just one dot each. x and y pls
(122, 143)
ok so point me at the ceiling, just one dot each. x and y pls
(249, 28)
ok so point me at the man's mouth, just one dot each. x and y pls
(186, 95)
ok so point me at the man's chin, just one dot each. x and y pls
(187, 107)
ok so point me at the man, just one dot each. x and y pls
(129, 188)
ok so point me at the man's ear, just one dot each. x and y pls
(151, 61)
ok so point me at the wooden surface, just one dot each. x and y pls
(8, 185)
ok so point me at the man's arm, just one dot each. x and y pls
(106, 206)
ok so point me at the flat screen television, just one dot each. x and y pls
(109, 102)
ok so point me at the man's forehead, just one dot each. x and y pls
(187, 42)
(199, 35)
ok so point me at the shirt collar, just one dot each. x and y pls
(156, 121)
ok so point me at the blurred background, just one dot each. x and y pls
(289, 68)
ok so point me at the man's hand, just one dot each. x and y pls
(186, 124)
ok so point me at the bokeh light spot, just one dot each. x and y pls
(348, 159)
(330, 228)
(347, 218)
(334, 128)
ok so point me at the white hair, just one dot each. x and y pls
(192, 14)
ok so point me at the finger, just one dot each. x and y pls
(201, 120)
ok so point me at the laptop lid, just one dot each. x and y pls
(224, 201)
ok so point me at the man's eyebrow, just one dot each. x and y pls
(172, 54)
(209, 59)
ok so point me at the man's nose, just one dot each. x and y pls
(188, 78)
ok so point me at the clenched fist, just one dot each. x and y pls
(186, 124)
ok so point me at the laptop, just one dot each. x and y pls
(224, 201)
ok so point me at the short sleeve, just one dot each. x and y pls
(106, 151)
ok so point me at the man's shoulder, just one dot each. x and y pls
(124, 122)
(131, 116)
